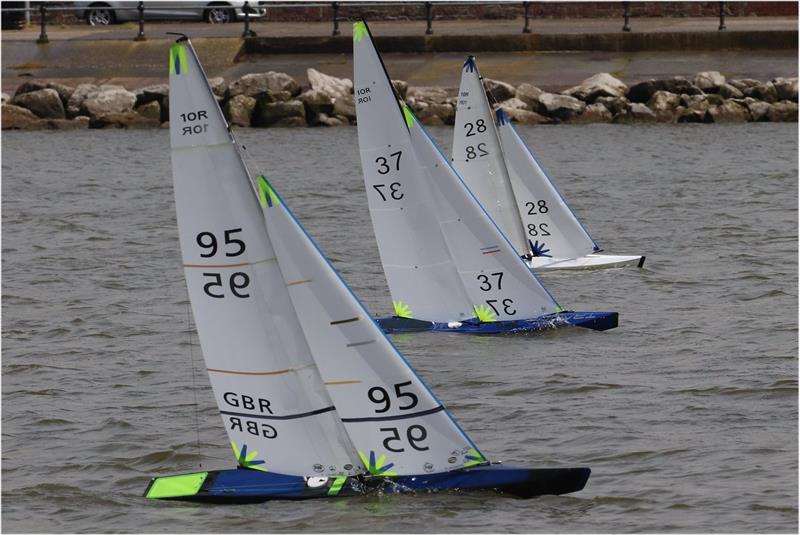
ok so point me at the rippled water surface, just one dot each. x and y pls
(687, 413)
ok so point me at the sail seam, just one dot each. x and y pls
(276, 372)
(356, 344)
(240, 264)
(397, 417)
(351, 382)
(348, 320)
(293, 283)
(287, 417)
(190, 147)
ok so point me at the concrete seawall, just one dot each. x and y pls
(608, 42)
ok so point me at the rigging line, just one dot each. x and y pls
(194, 382)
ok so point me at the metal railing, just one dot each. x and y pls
(247, 9)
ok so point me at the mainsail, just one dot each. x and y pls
(478, 257)
(478, 158)
(306, 382)
(276, 409)
(503, 167)
(422, 278)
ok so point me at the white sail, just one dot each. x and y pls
(422, 278)
(550, 224)
(276, 409)
(478, 158)
(498, 282)
(395, 421)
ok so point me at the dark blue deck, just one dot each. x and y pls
(252, 486)
(598, 321)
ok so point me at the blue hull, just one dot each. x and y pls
(598, 321)
(252, 486)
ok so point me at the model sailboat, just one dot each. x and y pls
(448, 266)
(316, 401)
(507, 179)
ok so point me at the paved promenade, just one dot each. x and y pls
(80, 53)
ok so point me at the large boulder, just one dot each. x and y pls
(123, 119)
(729, 91)
(785, 88)
(765, 92)
(4, 97)
(81, 122)
(613, 104)
(562, 107)
(436, 114)
(427, 94)
(151, 110)
(644, 91)
(80, 94)
(595, 113)
(728, 112)
(64, 91)
(45, 103)
(516, 103)
(401, 87)
(636, 113)
(758, 109)
(663, 104)
(498, 91)
(157, 93)
(744, 83)
(239, 110)
(709, 81)
(521, 116)
(108, 100)
(19, 118)
(529, 94)
(29, 86)
(291, 113)
(345, 107)
(600, 85)
(317, 101)
(218, 86)
(256, 84)
(783, 111)
(329, 85)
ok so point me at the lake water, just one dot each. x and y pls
(687, 413)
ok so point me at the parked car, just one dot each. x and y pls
(103, 13)
(13, 20)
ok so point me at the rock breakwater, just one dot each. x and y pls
(275, 99)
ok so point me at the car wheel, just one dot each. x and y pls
(100, 16)
(219, 15)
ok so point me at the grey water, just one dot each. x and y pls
(686, 413)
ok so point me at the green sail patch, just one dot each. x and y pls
(359, 30)
(409, 116)
(176, 486)
(266, 194)
(177, 59)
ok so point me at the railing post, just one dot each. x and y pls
(43, 34)
(335, 6)
(247, 31)
(627, 14)
(721, 16)
(429, 16)
(527, 27)
(140, 36)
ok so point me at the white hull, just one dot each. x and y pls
(589, 261)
